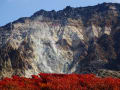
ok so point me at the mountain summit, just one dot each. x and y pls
(72, 40)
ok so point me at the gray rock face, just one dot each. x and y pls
(73, 40)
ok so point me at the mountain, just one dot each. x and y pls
(72, 40)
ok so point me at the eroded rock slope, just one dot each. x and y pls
(73, 40)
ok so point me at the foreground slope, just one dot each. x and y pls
(79, 40)
(60, 82)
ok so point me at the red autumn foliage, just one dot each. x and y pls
(60, 82)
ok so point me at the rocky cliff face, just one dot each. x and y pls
(73, 40)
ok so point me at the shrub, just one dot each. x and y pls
(60, 82)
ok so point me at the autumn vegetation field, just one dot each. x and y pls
(60, 82)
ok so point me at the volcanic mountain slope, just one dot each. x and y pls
(72, 40)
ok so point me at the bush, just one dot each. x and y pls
(60, 82)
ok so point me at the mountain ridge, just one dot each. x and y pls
(40, 12)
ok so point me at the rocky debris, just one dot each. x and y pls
(108, 73)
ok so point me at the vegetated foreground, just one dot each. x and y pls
(60, 82)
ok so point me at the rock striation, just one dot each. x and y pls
(72, 40)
